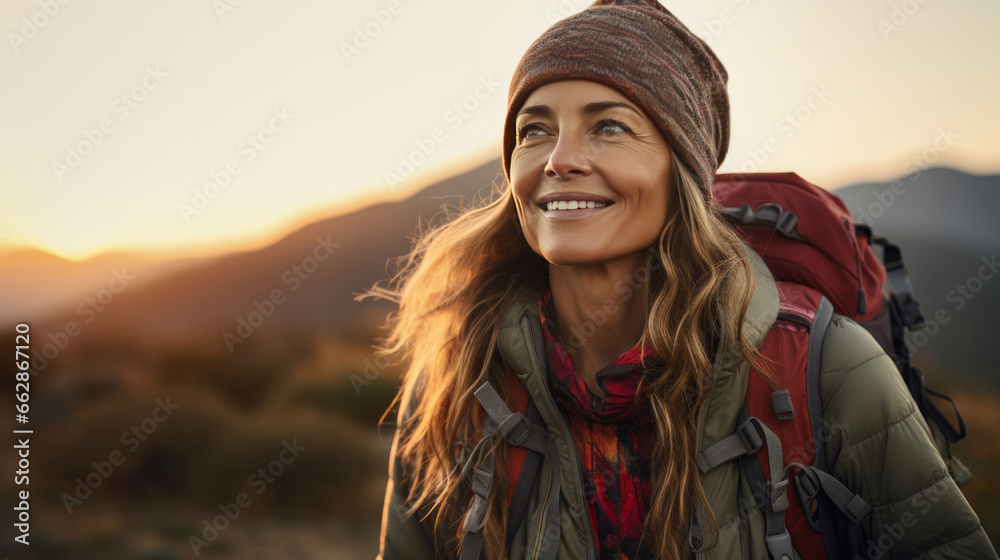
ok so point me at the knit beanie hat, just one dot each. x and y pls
(640, 49)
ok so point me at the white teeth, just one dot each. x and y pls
(574, 204)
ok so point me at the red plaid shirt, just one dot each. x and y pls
(611, 435)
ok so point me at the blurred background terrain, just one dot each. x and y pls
(301, 375)
(193, 193)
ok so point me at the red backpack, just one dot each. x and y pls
(822, 263)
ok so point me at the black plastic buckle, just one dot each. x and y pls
(909, 307)
(807, 489)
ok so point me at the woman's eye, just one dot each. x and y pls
(605, 127)
(522, 132)
(612, 126)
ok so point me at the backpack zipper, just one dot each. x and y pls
(578, 472)
(862, 301)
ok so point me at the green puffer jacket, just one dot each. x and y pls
(879, 446)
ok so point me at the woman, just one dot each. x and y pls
(631, 313)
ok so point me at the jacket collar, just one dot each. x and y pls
(719, 413)
(522, 346)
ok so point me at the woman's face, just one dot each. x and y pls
(581, 141)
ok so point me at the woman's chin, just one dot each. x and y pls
(574, 255)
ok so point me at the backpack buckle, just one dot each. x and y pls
(515, 428)
(807, 490)
(902, 291)
(910, 308)
(749, 434)
(780, 546)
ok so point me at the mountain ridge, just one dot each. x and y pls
(214, 296)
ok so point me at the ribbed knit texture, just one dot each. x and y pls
(639, 48)
(612, 437)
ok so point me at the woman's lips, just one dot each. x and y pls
(573, 214)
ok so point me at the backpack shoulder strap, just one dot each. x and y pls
(525, 478)
(523, 464)
(519, 431)
(792, 408)
(817, 334)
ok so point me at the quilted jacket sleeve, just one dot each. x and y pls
(879, 445)
(401, 537)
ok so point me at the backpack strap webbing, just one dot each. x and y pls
(899, 279)
(906, 314)
(526, 479)
(813, 479)
(914, 379)
(817, 334)
(775, 531)
(517, 430)
(749, 437)
(513, 426)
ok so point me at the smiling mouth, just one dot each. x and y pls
(570, 205)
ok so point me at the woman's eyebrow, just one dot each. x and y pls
(588, 109)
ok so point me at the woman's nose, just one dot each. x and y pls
(569, 156)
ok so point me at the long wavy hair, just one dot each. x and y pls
(451, 290)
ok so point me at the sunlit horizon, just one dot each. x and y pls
(263, 239)
(266, 238)
(186, 130)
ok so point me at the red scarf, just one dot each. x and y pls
(609, 432)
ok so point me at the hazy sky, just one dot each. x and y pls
(204, 125)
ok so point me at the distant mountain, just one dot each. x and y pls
(945, 221)
(947, 224)
(315, 293)
(938, 203)
(35, 284)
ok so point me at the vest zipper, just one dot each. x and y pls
(541, 520)
(577, 472)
